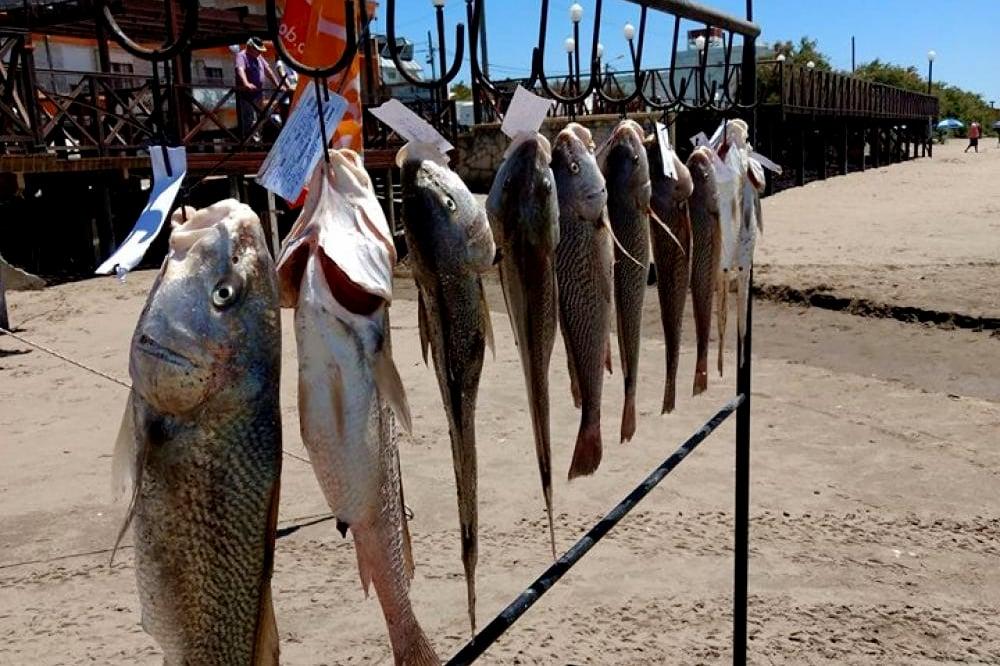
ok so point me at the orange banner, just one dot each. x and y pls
(313, 31)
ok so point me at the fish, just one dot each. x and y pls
(706, 251)
(451, 246)
(626, 171)
(584, 276)
(730, 193)
(669, 202)
(199, 448)
(335, 270)
(524, 213)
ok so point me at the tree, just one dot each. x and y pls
(893, 75)
(461, 92)
(807, 50)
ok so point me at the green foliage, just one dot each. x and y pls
(461, 92)
(805, 51)
(894, 75)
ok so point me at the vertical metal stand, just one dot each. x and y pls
(743, 382)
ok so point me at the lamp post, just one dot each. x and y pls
(439, 12)
(629, 32)
(931, 55)
(699, 44)
(570, 46)
(576, 15)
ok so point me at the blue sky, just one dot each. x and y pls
(966, 39)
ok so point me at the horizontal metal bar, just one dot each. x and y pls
(696, 12)
(502, 622)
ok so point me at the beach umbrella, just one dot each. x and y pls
(950, 123)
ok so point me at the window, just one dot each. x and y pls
(122, 68)
(214, 74)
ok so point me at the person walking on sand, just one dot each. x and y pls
(974, 132)
(251, 67)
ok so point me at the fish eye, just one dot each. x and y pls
(574, 168)
(546, 185)
(224, 295)
(450, 204)
(635, 158)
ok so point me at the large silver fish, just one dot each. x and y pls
(706, 251)
(450, 246)
(335, 269)
(672, 257)
(626, 171)
(584, 259)
(200, 443)
(524, 214)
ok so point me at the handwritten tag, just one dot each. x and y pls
(525, 114)
(161, 200)
(293, 158)
(699, 139)
(410, 126)
(766, 163)
(666, 152)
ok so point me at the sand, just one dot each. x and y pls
(874, 535)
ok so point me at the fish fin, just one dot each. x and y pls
(364, 568)
(266, 642)
(390, 387)
(422, 325)
(574, 383)
(484, 308)
(656, 218)
(628, 419)
(607, 357)
(126, 466)
(621, 248)
(588, 451)
(409, 566)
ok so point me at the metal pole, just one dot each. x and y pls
(743, 386)
(576, 58)
(930, 89)
(853, 68)
(477, 102)
(484, 62)
(508, 616)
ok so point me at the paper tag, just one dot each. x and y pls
(666, 151)
(410, 126)
(525, 114)
(699, 139)
(717, 136)
(723, 172)
(161, 200)
(766, 163)
(293, 158)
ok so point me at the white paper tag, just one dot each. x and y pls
(525, 114)
(717, 136)
(723, 172)
(666, 151)
(293, 158)
(766, 163)
(410, 126)
(161, 200)
(699, 139)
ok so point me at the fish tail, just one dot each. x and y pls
(470, 550)
(588, 451)
(669, 394)
(700, 375)
(628, 418)
(466, 481)
(380, 555)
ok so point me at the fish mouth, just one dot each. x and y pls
(597, 194)
(151, 347)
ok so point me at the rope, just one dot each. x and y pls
(62, 357)
(99, 373)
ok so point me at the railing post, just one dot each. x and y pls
(743, 385)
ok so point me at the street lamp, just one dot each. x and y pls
(576, 15)
(629, 32)
(600, 50)
(437, 3)
(811, 65)
(699, 42)
(570, 46)
(575, 12)
(781, 57)
(930, 70)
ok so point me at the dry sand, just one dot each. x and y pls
(875, 532)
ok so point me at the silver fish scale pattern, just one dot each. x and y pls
(201, 535)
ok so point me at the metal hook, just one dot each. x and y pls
(446, 77)
(538, 67)
(167, 51)
(638, 74)
(346, 58)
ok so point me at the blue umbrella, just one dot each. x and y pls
(950, 123)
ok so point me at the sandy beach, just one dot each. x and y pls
(874, 538)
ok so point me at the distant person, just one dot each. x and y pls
(974, 132)
(251, 67)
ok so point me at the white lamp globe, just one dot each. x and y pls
(811, 65)
(699, 42)
(569, 45)
(629, 31)
(575, 12)
(931, 55)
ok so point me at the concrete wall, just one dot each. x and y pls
(480, 152)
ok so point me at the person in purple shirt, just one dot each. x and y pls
(251, 68)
